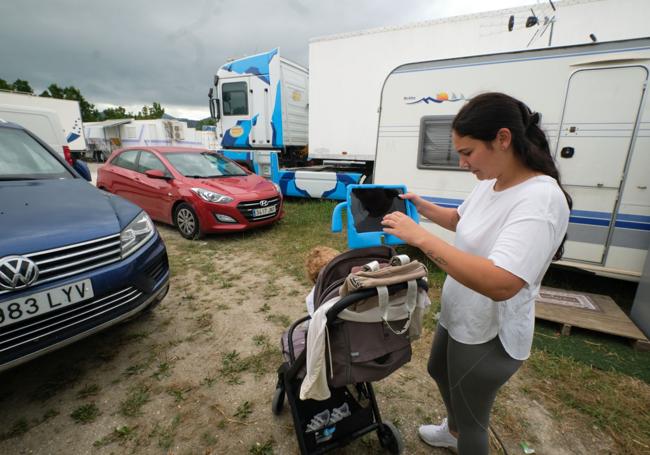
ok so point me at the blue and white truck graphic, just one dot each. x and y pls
(261, 108)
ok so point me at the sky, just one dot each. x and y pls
(134, 52)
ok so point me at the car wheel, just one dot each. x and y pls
(187, 222)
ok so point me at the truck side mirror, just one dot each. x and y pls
(215, 112)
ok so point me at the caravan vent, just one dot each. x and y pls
(436, 149)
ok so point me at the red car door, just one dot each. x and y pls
(156, 195)
(121, 174)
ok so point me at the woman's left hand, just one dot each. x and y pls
(402, 226)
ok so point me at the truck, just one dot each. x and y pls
(593, 103)
(68, 112)
(340, 95)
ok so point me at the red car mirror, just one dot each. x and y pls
(155, 174)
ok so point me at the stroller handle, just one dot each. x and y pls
(354, 297)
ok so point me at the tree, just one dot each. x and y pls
(151, 112)
(88, 111)
(111, 113)
(22, 86)
(4, 85)
(205, 121)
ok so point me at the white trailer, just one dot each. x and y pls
(347, 71)
(593, 104)
(67, 110)
(109, 135)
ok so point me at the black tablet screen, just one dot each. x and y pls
(369, 205)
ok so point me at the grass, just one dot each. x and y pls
(86, 413)
(121, 433)
(137, 397)
(233, 364)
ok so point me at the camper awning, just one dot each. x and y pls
(110, 123)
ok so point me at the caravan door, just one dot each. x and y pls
(600, 118)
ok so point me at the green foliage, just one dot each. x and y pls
(88, 111)
(150, 112)
(19, 85)
(206, 122)
(85, 414)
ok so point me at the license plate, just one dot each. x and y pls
(12, 311)
(264, 210)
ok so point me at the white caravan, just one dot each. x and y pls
(67, 110)
(109, 135)
(593, 104)
(347, 71)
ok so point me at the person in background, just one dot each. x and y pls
(508, 230)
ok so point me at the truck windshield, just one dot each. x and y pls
(204, 165)
(23, 158)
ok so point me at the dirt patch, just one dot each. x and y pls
(197, 375)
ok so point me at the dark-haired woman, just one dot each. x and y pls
(508, 231)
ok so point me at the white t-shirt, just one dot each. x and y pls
(519, 229)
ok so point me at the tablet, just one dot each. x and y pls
(370, 205)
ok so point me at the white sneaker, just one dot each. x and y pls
(438, 436)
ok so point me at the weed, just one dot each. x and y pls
(136, 369)
(166, 435)
(261, 340)
(224, 283)
(209, 381)
(222, 307)
(208, 439)
(85, 414)
(244, 410)
(137, 397)
(49, 414)
(20, 427)
(88, 391)
(280, 319)
(121, 433)
(179, 393)
(264, 308)
(231, 366)
(262, 449)
(163, 371)
(203, 321)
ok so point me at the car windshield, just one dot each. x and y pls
(204, 165)
(23, 158)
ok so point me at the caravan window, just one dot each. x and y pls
(235, 98)
(435, 149)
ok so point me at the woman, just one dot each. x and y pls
(508, 231)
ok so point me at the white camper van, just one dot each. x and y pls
(593, 105)
(44, 123)
(67, 111)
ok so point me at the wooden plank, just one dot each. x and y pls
(587, 311)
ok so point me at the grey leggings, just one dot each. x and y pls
(469, 377)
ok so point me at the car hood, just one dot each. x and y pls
(237, 186)
(38, 215)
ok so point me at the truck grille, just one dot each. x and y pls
(247, 208)
(74, 259)
(39, 332)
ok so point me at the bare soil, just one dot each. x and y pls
(197, 374)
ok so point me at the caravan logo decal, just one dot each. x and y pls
(439, 98)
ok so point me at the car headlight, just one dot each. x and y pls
(211, 196)
(136, 234)
(277, 187)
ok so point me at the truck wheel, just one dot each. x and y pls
(187, 222)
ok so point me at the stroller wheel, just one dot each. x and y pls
(278, 401)
(390, 438)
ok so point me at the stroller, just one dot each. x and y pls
(358, 353)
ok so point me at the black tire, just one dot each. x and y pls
(187, 222)
(278, 401)
(390, 438)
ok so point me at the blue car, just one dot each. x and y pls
(74, 260)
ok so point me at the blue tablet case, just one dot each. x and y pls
(375, 236)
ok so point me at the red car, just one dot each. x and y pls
(197, 190)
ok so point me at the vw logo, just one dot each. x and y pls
(17, 272)
(264, 203)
